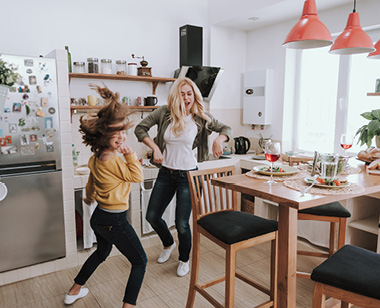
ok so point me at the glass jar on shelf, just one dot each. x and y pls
(106, 66)
(132, 69)
(93, 66)
(121, 67)
(78, 67)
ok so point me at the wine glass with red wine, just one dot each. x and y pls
(272, 154)
(346, 142)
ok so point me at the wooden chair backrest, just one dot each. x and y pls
(207, 198)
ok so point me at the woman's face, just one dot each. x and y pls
(187, 94)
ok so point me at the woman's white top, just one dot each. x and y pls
(178, 153)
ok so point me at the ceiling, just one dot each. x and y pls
(268, 12)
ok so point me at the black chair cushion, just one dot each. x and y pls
(234, 226)
(353, 269)
(334, 209)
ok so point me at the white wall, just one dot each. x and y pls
(113, 29)
(264, 50)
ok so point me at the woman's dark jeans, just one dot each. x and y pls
(167, 184)
(113, 228)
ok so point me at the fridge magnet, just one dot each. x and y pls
(33, 137)
(24, 140)
(29, 71)
(40, 113)
(3, 142)
(27, 150)
(47, 79)
(7, 110)
(32, 80)
(43, 67)
(48, 123)
(44, 101)
(12, 89)
(50, 147)
(28, 62)
(16, 107)
(51, 110)
(9, 149)
(12, 128)
(21, 122)
(25, 96)
(37, 145)
(9, 139)
(39, 89)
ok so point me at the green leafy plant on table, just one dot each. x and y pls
(368, 131)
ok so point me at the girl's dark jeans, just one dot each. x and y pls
(113, 228)
(167, 184)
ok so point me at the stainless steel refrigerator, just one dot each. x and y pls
(31, 212)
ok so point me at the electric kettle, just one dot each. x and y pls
(242, 145)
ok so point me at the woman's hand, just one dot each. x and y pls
(217, 145)
(158, 158)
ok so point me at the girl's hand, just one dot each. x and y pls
(124, 149)
(158, 158)
(88, 202)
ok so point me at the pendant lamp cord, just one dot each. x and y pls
(354, 6)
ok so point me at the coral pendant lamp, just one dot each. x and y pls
(376, 53)
(353, 39)
(309, 31)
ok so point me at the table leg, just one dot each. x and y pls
(287, 256)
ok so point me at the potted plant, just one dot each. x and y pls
(368, 131)
(8, 77)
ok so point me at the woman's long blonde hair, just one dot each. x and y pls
(177, 108)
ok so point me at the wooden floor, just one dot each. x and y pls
(162, 288)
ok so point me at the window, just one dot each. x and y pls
(332, 93)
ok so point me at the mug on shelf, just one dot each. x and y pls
(92, 100)
(150, 101)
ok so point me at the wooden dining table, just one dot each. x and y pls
(289, 202)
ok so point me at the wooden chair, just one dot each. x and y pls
(333, 213)
(351, 275)
(215, 216)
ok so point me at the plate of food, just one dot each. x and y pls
(277, 170)
(329, 182)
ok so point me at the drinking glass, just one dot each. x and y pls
(346, 142)
(272, 154)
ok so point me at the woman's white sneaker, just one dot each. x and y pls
(183, 268)
(165, 254)
(70, 299)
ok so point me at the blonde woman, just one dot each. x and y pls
(182, 126)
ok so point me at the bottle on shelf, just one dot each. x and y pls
(75, 156)
(68, 58)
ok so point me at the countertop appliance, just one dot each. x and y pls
(31, 214)
(242, 145)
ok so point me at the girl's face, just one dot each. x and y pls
(117, 140)
(187, 94)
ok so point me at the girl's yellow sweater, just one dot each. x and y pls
(109, 181)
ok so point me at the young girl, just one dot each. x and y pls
(182, 126)
(109, 184)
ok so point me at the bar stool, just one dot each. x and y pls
(215, 216)
(351, 275)
(334, 213)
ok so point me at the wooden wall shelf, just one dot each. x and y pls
(154, 80)
(74, 108)
(373, 94)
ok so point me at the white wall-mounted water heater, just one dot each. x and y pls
(258, 97)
